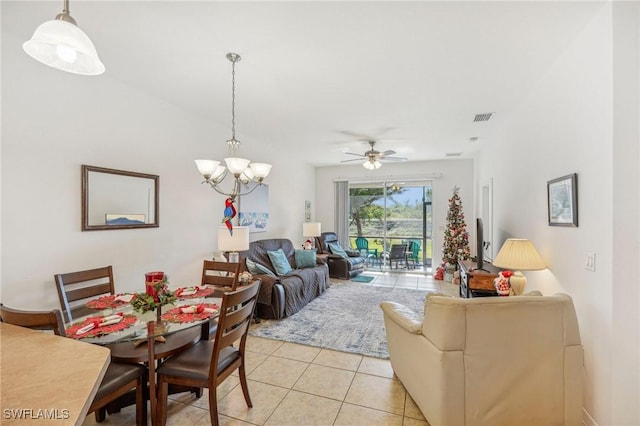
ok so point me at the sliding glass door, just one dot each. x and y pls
(383, 214)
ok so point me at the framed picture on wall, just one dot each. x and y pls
(253, 211)
(562, 201)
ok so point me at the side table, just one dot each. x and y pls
(477, 282)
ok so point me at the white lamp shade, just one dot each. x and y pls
(372, 165)
(239, 241)
(311, 229)
(218, 172)
(62, 45)
(207, 167)
(236, 165)
(260, 170)
(519, 254)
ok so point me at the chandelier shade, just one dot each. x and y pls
(247, 176)
(60, 44)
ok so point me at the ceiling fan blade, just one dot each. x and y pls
(348, 161)
(387, 152)
(393, 159)
(351, 153)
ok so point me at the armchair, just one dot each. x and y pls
(344, 265)
(490, 360)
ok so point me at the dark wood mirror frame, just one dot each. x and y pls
(150, 184)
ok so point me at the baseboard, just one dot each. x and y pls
(587, 419)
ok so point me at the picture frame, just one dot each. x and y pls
(562, 201)
(253, 210)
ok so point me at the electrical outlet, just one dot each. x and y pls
(590, 261)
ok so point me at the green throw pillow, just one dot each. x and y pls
(256, 268)
(305, 258)
(279, 262)
(337, 250)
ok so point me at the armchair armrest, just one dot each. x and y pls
(352, 253)
(403, 316)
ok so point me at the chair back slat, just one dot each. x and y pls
(233, 323)
(37, 320)
(74, 288)
(221, 274)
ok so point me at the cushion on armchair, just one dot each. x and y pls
(337, 250)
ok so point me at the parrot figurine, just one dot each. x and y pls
(229, 213)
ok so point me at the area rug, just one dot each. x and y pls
(362, 279)
(347, 317)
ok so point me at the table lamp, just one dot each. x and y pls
(311, 229)
(232, 244)
(518, 254)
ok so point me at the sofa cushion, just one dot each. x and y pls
(256, 268)
(305, 258)
(280, 262)
(337, 250)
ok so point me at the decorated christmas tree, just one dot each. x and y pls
(456, 237)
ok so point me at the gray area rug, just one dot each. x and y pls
(347, 317)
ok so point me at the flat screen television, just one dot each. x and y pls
(479, 245)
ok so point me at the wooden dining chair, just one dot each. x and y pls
(221, 275)
(209, 363)
(74, 288)
(119, 379)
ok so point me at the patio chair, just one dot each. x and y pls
(414, 252)
(398, 254)
(362, 245)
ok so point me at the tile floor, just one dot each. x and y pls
(292, 384)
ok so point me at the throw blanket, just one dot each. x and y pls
(298, 295)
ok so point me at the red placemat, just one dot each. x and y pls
(72, 331)
(201, 292)
(176, 314)
(106, 302)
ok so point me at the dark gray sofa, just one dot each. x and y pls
(283, 296)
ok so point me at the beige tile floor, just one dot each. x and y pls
(292, 384)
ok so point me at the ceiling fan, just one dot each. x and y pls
(372, 158)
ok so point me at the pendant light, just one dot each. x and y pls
(60, 44)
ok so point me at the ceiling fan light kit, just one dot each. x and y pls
(373, 158)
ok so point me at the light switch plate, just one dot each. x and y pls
(590, 261)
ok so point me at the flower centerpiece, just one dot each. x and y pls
(245, 277)
(156, 294)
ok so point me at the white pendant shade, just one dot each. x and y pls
(62, 45)
(207, 167)
(260, 170)
(236, 165)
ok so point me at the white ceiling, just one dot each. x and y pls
(413, 74)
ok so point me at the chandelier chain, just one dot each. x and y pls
(233, 101)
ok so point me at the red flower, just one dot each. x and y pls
(507, 273)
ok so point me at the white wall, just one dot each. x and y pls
(453, 173)
(566, 125)
(53, 122)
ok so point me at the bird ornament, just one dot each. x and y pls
(229, 213)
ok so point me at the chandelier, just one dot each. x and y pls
(247, 176)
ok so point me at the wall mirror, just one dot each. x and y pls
(117, 199)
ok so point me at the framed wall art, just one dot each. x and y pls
(253, 211)
(562, 201)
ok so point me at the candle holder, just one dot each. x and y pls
(156, 295)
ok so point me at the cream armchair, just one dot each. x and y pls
(490, 360)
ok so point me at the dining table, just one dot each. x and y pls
(136, 337)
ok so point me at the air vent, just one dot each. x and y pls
(483, 117)
(474, 139)
(453, 154)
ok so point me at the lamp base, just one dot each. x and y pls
(518, 282)
(234, 257)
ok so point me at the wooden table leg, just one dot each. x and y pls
(153, 395)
